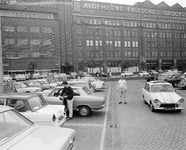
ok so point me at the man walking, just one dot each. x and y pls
(67, 94)
(122, 89)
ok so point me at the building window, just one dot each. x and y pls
(117, 43)
(34, 29)
(9, 28)
(46, 30)
(134, 43)
(176, 35)
(21, 42)
(22, 29)
(9, 42)
(117, 33)
(79, 43)
(126, 33)
(98, 43)
(109, 43)
(127, 44)
(46, 42)
(108, 32)
(79, 31)
(35, 42)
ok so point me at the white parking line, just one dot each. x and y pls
(105, 122)
(84, 125)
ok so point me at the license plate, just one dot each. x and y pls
(169, 108)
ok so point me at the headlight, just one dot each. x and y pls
(181, 100)
(156, 101)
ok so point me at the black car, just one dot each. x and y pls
(175, 79)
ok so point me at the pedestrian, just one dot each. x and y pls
(68, 95)
(122, 89)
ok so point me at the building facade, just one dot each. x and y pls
(110, 34)
(64, 36)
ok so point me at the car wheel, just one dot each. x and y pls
(84, 111)
(152, 107)
(178, 110)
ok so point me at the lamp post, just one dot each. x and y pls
(1, 62)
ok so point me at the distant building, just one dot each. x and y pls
(63, 36)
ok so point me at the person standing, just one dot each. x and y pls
(68, 95)
(122, 89)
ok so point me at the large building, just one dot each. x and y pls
(69, 35)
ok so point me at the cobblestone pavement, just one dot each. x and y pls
(133, 126)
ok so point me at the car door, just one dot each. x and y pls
(54, 98)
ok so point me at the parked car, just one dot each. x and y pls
(160, 95)
(21, 87)
(152, 77)
(35, 108)
(96, 82)
(20, 77)
(84, 100)
(36, 83)
(47, 84)
(152, 72)
(182, 83)
(143, 73)
(19, 133)
(175, 79)
(127, 74)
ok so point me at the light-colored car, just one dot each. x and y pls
(20, 77)
(35, 108)
(96, 82)
(127, 74)
(36, 83)
(84, 100)
(19, 133)
(160, 95)
(46, 83)
(21, 87)
(143, 73)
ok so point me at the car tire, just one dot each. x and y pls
(179, 110)
(152, 107)
(84, 111)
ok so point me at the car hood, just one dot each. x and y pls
(57, 109)
(167, 97)
(42, 138)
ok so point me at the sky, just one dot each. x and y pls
(132, 2)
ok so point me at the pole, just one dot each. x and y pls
(1, 62)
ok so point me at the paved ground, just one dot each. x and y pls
(129, 127)
(134, 127)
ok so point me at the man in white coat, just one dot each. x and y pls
(122, 89)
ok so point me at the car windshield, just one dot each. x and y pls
(21, 85)
(37, 102)
(86, 90)
(12, 123)
(162, 88)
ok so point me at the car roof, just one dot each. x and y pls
(22, 96)
(4, 108)
(158, 82)
(78, 87)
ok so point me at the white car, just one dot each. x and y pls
(97, 83)
(35, 108)
(21, 87)
(20, 77)
(160, 95)
(143, 73)
(127, 74)
(19, 133)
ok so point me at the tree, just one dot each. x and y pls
(143, 65)
(81, 66)
(126, 64)
(31, 67)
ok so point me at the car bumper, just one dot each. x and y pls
(168, 108)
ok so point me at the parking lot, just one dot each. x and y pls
(129, 127)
